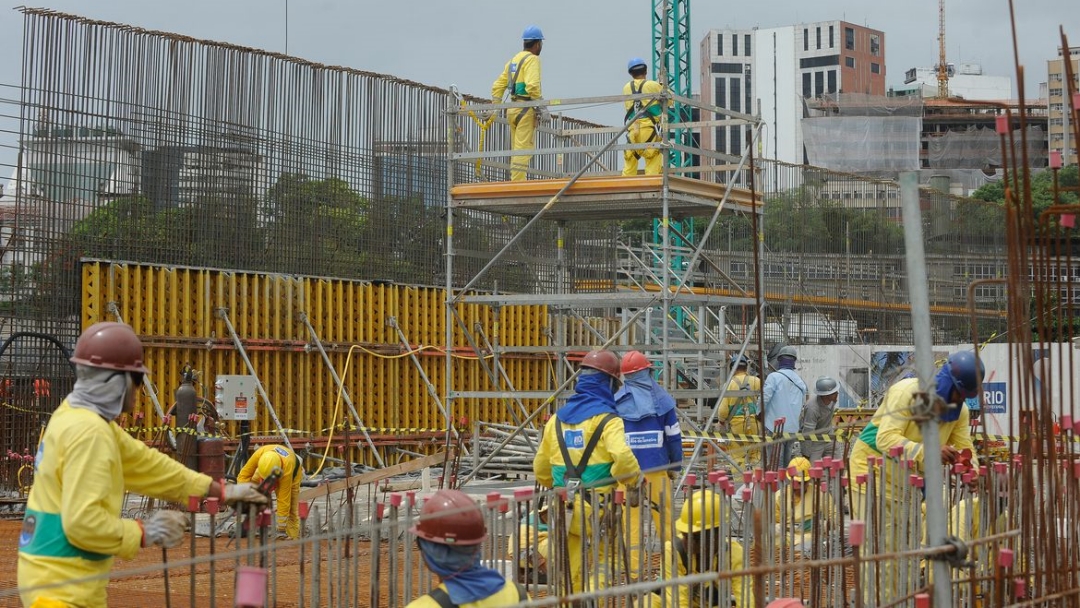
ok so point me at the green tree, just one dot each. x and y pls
(1042, 189)
(316, 227)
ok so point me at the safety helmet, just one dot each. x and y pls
(110, 345)
(787, 351)
(636, 62)
(965, 373)
(705, 505)
(738, 361)
(532, 33)
(269, 461)
(450, 517)
(634, 361)
(826, 386)
(799, 468)
(602, 360)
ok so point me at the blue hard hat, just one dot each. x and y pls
(532, 33)
(965, 373)
(636, 62)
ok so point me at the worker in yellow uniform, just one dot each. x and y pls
(450, 535)
(287, 490)
(533, 546)
(797, 507)
(644, 116)
(85, 465)
(701, 547)
(740, 414)
(583, 449)
(896, 424)
(520, 81)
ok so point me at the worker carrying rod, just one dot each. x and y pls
(84, 466)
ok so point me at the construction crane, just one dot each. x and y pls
(671, 61)
(942, 66)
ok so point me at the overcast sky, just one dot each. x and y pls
(466, 42)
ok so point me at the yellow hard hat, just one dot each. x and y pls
(705, 505)
(802, 468)
(269, 461)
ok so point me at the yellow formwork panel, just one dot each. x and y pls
(176, 312)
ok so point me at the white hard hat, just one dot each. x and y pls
(826, 386)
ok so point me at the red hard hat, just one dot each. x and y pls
(110, 345)
(634, 361)
(602, 360)
(450, 517)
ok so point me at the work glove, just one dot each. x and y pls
(633, 496)
(949, 454)
(673, 475)
(164, 528)
(244, 492)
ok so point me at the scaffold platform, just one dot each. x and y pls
(603, 198)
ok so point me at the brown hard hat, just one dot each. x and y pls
(110, 345)
(450, 517)
(602, 360)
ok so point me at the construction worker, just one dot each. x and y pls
(450, 535)
(895, 424)
(702, 546)
(520, 81)
(85, 465)
(740, 414)
(533, 546)
(644, 127)
(261, 465)
(797, 508)
(654, 436)
(583, 449)
(817, 418)
(784, 393)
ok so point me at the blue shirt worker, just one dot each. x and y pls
(583, 447)
(784, 393)
(450, 535)
(520, 81)
(85, 465)
(654, 436)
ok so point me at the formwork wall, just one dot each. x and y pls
(177, 312)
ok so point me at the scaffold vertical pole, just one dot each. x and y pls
(936, 523)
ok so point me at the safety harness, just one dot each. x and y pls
(635, 110)
(512, 77)
(442, 598)
(574, 472)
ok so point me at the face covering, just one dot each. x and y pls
(785, 363)
(460, 570)
(101, 391)
(943, 387)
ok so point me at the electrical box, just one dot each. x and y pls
(235, 397)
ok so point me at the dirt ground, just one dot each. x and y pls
(147, 590)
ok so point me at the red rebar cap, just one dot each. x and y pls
(1001, 124)
(815, 472)
(922, 600)
(856, 532)
(860, 479)
(395, 500)
(714, 477)
(194, 504)
(691, 479)
(304, 508)
(493, 498)
(212, 505)
(523, 494)
(896, 451)
(618, 497)
(1005, 558)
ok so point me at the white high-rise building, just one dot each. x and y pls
(771, 71)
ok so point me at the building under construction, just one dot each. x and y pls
(334, 260)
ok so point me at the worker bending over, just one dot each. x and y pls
(520, 81)
(287, 489)
(644, 118)
(817, 419)
(85, 465)
(800, 506)
(703, 546)
(583, 449)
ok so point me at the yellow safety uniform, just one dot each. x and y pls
(509, 595)
(610, 462)
(524, 72)
(742, 587)
(741, 415)
(658, 485)
(643, 130)
(72, 528)
(288, 489)
(892, 425)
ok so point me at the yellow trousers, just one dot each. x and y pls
(522, 137)
(642, 131)
(658, 485)
(745, 456)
